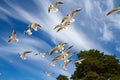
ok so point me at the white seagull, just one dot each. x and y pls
(41, 54)
(13, 37)
(22, 55)
(32, 26)
(69, 17)
(67, 56)
(60, 47)
(60, 56)
(54, 6)
(49, 73)
(65, 65)
(62, 26)
(53, 63)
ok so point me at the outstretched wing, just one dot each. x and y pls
(26, 52)
(74, 12)
(39, 25)
(49, 8)
(58, 57)
(66, 50)
(113, 10)
(10, 39)
(69, 55)
(56, 3)
(53, 50)
(59, 29)
(64, 18)
(57, 26)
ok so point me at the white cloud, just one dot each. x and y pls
(107, 34)
(88, 7)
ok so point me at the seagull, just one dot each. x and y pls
(53, 63)
(58, 47)
(13, 37)
(69, 17)
(41, 54)
(113, 10)
(62, 26)
(32, 26)
(22, 56)
(66, 56)
(49, 73)
(54, 6)
(66, 50)
(28, 31)
(80, 61)
(60, 56)
(65, 65)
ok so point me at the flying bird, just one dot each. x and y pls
(49, 73)
(113, 11)
(60, 46)
(41, 54)
(31, 27)
(62, 26)
(34, 26)
(65, 65)
(70, 16)
(60, 56)
(28, 31)
(67, 56)
(66, 50)
(80, 61)
(22, 56)
(53, 63)
(13, 37)
(54, 6)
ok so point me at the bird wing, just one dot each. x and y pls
(56, 26)
(67, 23)
(66, 50)
(49, 8)
(62, 43)
(53, 50)
(36, 25)
(59, 29)
(10, 39)
(56, 3)
(26, 52)
(69, 55)
(113, 10)
(65, 65)
(64, 18)
(39, 25)
(30, 26)
(58, 57)
(80, 60)
(74, 12)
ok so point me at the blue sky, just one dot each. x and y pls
(91, 29)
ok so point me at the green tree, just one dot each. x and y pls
(96, 66)
(62, 77)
